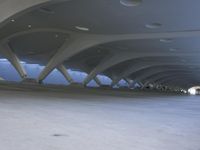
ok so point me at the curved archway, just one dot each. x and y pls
(152, 78)
(145, 65)
(195, 90)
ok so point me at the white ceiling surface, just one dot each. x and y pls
(104, 18)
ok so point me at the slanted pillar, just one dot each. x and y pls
(96, 79)
(65, 73)
(130, 82)
(70, 47)
(13, 59)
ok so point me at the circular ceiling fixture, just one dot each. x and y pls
(29, 26)
(154, 25)
(166, 40)
(130, 3)
(82, 28)
(56, 35)
(12, 20)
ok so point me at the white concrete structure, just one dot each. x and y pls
(135, 41)
(99, 74)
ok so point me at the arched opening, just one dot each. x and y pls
(194, 90)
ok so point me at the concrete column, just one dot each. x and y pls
(96, 78)
(69, 48)
(122, 57)
(65, 73)
(130, 82)
(14, 60)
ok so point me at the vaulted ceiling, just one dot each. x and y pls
(142, 40)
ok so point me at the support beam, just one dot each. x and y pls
(63, 70)
(118, 58)
(63, 54)
(155, 77)
(6, 51)
(160, 35)
(86, 69)
(79, 42)
(145, 65)
(97, 81)
(185, 79)
(182, 81)
(5, 39)
(68, 49)
(89, 38)
(76, 45)
(187, 84)
(153, 71)
(130, 82)
(177, 76)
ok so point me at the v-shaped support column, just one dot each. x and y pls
(65, 73)
(69, 48)
(6, 51)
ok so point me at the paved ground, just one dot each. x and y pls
(100, 121)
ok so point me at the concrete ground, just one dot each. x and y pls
(77, 120)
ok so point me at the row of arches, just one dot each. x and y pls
(9, 73)
(77, 42)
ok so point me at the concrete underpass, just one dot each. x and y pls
(99, 75)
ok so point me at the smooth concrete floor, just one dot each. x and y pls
(84, 121)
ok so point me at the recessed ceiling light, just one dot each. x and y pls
(82, 28)
(56, 35)
(153, 25)
(172, 49)
(130, 3)
(166, 40)
(12, 20)
(29, 26)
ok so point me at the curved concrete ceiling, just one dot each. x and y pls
(10, 8)
(174, 73)
(184, 80)
(101, 37)
(152, 72)
(143, 65)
